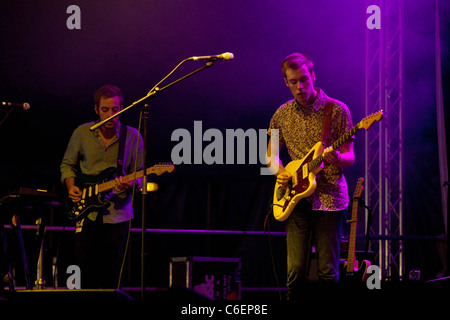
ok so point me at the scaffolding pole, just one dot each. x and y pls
(384, 145)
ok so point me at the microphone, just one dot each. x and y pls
(224, 56)
(24, 106)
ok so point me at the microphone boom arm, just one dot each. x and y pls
(152, 92)
(144, 115)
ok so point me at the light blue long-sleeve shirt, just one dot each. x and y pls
(87, 154)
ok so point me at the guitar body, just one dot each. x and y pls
(358, 273)
(304, 172)
(91, 198)
(302, 185)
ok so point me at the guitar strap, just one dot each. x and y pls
(120, 156)
(327, 121)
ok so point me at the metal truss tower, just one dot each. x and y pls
(384, 142)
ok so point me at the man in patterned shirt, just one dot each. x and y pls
(317, 219)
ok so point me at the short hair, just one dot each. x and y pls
(108, 91)
(295, 61)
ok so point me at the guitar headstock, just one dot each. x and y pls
(161, 168)
(368, 121)
(359, 188)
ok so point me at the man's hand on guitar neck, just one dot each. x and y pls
(343, 158)
(331, 156)
(122, 185)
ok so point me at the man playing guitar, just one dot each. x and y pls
(101, 236)
(318, 218)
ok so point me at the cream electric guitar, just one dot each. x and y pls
(351, 267)
(304, 172)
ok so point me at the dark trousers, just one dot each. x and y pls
(322, 229)
(99, 250)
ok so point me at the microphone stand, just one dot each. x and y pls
(144, 111)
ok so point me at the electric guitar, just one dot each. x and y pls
(352, 268)
(304, 172)
(94, 187)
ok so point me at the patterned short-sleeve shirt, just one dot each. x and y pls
(300, 128)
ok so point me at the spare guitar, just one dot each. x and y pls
(94, 187)
(304, 172)
(352, 268)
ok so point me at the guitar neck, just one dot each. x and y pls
(106, 186)
(318, 161)
(352, 237)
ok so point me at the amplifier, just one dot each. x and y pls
(213, 277)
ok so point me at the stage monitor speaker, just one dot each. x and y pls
(71, 294)
(218, 278)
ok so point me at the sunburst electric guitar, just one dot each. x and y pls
(352, 268)
(304, 172)
(93, 189)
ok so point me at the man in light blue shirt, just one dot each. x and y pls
(101, 236)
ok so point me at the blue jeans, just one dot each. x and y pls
(322, 229)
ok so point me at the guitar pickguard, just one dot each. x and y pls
(91, 198)
(302, 183)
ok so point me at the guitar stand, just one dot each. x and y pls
(40, 281)
(30, 196)
(17, 228)
(362, 204)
